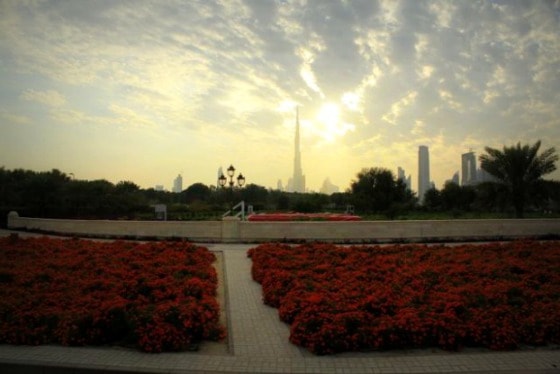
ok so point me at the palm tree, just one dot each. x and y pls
(519, 168)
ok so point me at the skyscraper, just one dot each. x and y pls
(298, 180)
(178, 184)
(220, 173)
(406, 180)
(468, 169)
(328, 187)
(423, 172)
(455, 178)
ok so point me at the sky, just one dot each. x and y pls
(145, 90)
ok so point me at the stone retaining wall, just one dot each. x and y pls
(233, 231)
(192, 230)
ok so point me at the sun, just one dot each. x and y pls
(328, 118)
(329, 115)
(329, 123)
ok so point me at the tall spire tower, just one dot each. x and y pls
(298, 180)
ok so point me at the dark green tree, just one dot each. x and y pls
(519, 168)
(432, 199)
(491, 197)
(254, 195)
(282, 201)
(377, 190)
(196, 192)
(44, 192)
(309, 202)
(127, 199)
(457, 198)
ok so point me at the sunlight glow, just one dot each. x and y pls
(330, 126)
(328, 114)
(351, 100)
(287, 106)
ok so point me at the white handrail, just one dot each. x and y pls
(241, 212)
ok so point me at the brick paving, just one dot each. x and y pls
(258, 343)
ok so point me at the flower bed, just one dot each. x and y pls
(157, 296)
(499, 296)
(280, 217)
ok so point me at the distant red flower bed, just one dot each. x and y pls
(336, 299)
(303, 217)
(157, 296)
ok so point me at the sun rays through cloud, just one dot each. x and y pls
(193, 85)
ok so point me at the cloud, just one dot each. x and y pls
(307, 56)
(17, 119)
(398, 107)
(50, 98)
(399, 72)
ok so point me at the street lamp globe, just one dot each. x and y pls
(230, 171)
(222, 180)
(240, 180)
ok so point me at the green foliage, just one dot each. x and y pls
(377, 190)
(452, 198)
(54, 194)
(375, 194)
(256, 195)
(519, 168)
(309, 203)
(196, 192)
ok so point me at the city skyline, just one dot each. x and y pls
(141, 90)
(468, 173)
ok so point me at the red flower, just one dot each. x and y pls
(356, 298)
(156, 296)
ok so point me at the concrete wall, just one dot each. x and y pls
(194, 230)
(232, 230)
(390, 231)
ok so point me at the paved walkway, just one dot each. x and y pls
(258, 343)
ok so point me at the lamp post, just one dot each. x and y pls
(222, 180)
(231, 172)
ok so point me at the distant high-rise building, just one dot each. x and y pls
(400, 173)
(328, 188)
(402, 176)
(468, 169)
(424, 183)
(279, 185)
(483, 176)
(220, 173)
(159, 187)
(298, 180)
(178, 184)
(454, 178)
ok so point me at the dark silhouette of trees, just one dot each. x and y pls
(309, 202)
(196, 192)
(55, 194)
(278, 200)
(491, 197)
(432, 199)
(457, 198)
(451, 198)
(519, 168)
(376, 190)
(255, 195)
(551, 195)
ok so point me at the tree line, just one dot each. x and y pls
(519, 186)
(55, 194)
